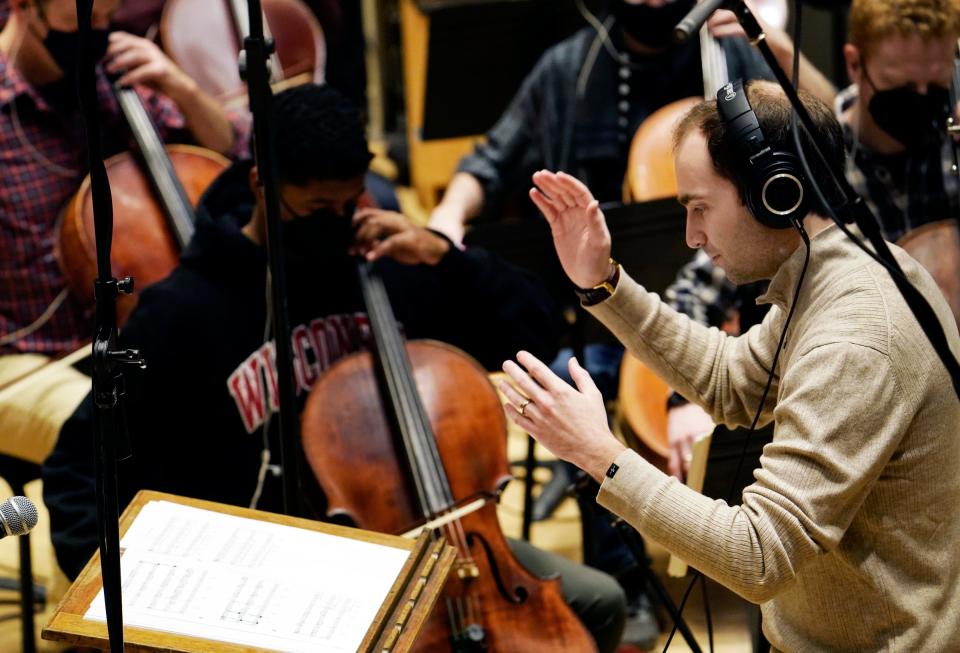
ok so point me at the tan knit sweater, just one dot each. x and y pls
(849, 537)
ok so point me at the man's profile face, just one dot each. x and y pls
(897, 61)
(718, 222)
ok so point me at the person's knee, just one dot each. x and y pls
(602, 607)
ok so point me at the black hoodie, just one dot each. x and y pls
(195, 415)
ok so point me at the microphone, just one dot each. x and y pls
(18, 516)
(695, 19)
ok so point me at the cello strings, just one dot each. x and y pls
(395, 356)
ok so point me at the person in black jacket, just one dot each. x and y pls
(199, 415)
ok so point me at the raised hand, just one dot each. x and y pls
(580, 232)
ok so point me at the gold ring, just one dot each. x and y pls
(523, 407)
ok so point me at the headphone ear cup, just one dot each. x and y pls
(778, 192)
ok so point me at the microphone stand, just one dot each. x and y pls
(108, 361)
(254, 70)
(853, 209)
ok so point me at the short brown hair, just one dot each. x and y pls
(773, 112)
(873, 20)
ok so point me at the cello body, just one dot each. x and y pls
(936, 246)
(415, 433)
(144, 247)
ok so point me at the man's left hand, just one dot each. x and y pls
(570, 422)
(380, 233)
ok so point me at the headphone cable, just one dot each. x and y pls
(798, 225)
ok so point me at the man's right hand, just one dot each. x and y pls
(580, 232)
(685, 424)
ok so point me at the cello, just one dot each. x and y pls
(153, 210)
(413, 436)
(936, 245)
(204, 39)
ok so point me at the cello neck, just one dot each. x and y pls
(240, 11)
(403, 400)
(166, 185)
(714, 61)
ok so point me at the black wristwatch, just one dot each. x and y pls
(603, 290)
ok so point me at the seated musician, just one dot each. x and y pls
(848, 537)
(199, 414)
(44, 161)
(900, 58)
(586, 96)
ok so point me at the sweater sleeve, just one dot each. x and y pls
(826, 455)
(726, 375)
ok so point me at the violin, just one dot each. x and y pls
(153, 199)
(204, 39)
(413, 437)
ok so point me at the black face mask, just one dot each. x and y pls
(318, 239)
(652, 26)
(913, 119)
(64, 48)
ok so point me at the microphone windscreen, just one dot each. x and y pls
(19, 514)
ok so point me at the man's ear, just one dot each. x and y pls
(854, 63)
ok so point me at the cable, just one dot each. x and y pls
(706, 611)
(798, 225)
(38, 156)
(265, 429)
(763, 400)
(48, 313)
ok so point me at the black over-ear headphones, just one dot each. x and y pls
(775, 187)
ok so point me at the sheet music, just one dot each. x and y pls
(205, 574)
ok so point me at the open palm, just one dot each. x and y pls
(580, 232)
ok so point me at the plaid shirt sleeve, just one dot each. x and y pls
(172, 125)
(702, 291)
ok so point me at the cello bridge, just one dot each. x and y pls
(468, 569)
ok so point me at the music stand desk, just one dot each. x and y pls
(395, 628)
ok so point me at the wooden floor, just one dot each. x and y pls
(560, 534)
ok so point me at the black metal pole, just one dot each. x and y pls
(253, 68)
(108, 362)
(853, 206)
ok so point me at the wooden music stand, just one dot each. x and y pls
(395, 628)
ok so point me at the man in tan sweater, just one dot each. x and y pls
(849, 538)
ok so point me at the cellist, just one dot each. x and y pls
(200, 414)
(43, 164)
